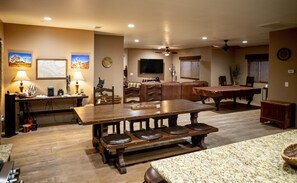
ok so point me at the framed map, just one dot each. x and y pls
(51, 68)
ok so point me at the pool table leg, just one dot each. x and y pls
(217, 101)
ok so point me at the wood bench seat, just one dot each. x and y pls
(197, 138)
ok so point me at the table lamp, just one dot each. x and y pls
(77, 76)
(21, 76)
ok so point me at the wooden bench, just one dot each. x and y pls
(197, 140)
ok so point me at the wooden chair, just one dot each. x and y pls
(250, 81)
(153, 92)
(105, 96)
(132, 95)
(222, 81)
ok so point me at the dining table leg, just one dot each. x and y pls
(194, 117)
(96, 130)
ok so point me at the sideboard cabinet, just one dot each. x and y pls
(282, 113)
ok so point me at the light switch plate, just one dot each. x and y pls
(286, 84)
(291, 71)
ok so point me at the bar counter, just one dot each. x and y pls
(255, 160)
(5, 151)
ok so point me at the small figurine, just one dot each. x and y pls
(100, 84)
(67, 84)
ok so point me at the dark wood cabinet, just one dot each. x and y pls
(282, 113)
(10, 115)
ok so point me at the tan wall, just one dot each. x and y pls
(113, 47)
(134, 55)
(220, 64)
(1, 73)
(47, 42)
(278, 70)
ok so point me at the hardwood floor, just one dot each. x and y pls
(64, 153)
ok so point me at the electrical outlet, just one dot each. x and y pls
(286, 84)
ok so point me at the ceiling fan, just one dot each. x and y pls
(167, 51)
(225, 47)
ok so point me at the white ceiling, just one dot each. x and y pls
(175, 23)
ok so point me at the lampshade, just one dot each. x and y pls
(21, 76)
(78, 76)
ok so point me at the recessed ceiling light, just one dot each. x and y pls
(204, 37)
(136, 40)
(244, 42)
(131, 25)
(47, 18)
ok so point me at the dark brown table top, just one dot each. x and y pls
(56, 97)
(118, 112)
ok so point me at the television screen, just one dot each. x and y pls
(151, 66)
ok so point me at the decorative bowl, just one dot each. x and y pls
(289, 154)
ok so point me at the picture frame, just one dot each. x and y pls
(80, 61)
(51, 69)
(19, 59)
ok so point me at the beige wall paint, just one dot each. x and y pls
(113, 47)
(1, 73)
(278, 70)
(134, 55)
(47, 42)
(221, 62)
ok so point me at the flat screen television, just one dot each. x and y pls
(151, 66)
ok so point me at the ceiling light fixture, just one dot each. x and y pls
(136, 40)
(244, 42)
(204, 38)
(47, 18)
(131, 25)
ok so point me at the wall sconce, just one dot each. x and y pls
(21, 76)
(77, 76)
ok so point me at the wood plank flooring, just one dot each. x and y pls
(64, 153)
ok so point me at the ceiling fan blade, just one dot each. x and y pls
(158, 52)
(174, 52)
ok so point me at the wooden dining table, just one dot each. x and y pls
(105, 114)
(102, 115)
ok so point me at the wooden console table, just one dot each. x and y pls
(282, 113)
(25, 113)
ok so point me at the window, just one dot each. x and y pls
(189, 67)
(258, 66)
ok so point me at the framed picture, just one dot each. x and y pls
(51, 68)
(80, 61)
(19, 59)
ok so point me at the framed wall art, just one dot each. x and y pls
(51, 68)
(80, 61)
(19, 59)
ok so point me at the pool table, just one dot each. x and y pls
(217, 93)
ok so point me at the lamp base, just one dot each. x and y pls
(21, 88)
(76, 87)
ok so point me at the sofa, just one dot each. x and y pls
(153, 91)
